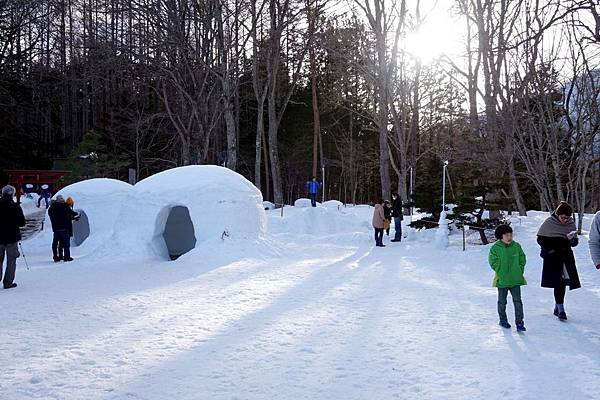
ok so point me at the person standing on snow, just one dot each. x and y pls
(61, 217)
(507, 259)
(11, 220)
(398, 216)
(45, 195)
(313, 190)
(556, 237)
(378, 223)
(387, 210)
(594, 242)
(71, 203)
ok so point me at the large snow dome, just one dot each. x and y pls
(173, 211)
(98, 201)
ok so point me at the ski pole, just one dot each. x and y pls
(24, 258)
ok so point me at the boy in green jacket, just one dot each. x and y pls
(507, 259)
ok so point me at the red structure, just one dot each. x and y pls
(18, 178)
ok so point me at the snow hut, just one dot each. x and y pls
(175, 210)
(98, 202)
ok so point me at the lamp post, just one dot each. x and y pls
(444, 185)
(443, 231)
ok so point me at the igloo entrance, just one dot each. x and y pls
(179, 232)
(81, 228)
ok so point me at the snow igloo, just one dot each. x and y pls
(98, 202)
(170, 213)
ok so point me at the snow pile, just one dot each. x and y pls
(333, 204)
(188, 206)
(351, 224)
(303, 203)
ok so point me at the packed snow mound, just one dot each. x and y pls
(98, 201)
(321, 221)
(333, 204)
(303, 203)
(267, 205)
(187, 206)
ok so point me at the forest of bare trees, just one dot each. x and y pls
(280, 90)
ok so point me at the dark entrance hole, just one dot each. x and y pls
(179, 232)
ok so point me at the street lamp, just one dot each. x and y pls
(444, 185)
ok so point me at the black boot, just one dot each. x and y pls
(12, 285)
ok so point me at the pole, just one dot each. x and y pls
(23, 254)
(323, 175)
(444, 186)
(411, 193)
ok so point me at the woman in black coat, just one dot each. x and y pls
(556, 237)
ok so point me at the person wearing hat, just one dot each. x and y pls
(11, 220)
(61, 217)
(508, 260)
(556, 237)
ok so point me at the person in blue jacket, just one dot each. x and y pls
(313, 189)
(45, 195)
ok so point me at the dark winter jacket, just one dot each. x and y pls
(556, 253)
(387, 211)
(313, 187)
(397, 210)
(11, 219)
(61, 216)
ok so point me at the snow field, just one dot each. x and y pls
(310, 311)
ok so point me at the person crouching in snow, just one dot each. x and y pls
(379, 223)
(507, 259)
(61, 217)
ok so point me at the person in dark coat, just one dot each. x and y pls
(387, 211)
(11, 220)
(45, 195)
(398, 216)
(61, 217)
(556, 237)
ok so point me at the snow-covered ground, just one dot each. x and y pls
(313, 311)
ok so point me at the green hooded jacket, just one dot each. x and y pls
(508, 262)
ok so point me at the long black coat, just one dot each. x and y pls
(557, 252)
(61, 216)
(397, 210)
(11, 219)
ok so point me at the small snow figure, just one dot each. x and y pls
(441, 236)
(313, 189)
(11, 219)
(507, 259)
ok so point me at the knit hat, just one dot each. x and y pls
(70, 201)
(501, 230)
(564, 208)
(60, 198)
(8, 191)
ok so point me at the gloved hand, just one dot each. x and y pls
(598, 266)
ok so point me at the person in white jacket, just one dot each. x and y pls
(594, 241)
